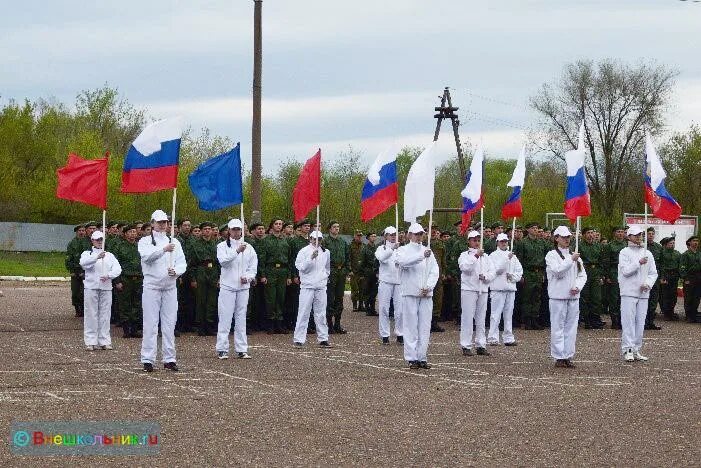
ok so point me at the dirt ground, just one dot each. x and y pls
(358, 403)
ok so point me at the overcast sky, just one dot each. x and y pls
(361, 73)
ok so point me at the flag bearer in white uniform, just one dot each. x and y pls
(477, 272)
(100, 269)
(388, 288)
(314, 265)
(637, 274)
(239, 263)
(162, 261)
(418, 277)
(566, 278)
(508, 271)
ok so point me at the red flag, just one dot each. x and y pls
(307, 193)
(83, 181)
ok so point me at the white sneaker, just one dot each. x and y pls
(107, 347)
(639, 357)
(244, 356)
(89, 348)
(628, 356)
(223, 355)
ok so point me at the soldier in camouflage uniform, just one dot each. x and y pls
(130, 283)
(274, 261)
(690, 273)
(204, 269)
(590, 297)
(73, 250)
(357, 293)
(609, 264)
(186, 296)
(438, 249)
(340, 267)
(369, 268)
(297, 242)
(457, 246)
(668, 269)
(257, 314)
(656, 251)
(531, 252)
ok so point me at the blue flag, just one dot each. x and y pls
(217, 183)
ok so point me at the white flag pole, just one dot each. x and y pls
(513, 232)
(172, 227)
(576, 235)
(316, 240)
(243, 226)
(428, 243)
(396, 219)
(482, 228)
(104, 238)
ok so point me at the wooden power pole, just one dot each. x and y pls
(256, 168)
(449, 112)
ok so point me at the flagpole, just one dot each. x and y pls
(172, 227)
(396, 218)
(428, 242)
(316, 241)
(645, 227)
(513, 232)
(243, 226)
(576, 235)
(104, 238)
(481, 228)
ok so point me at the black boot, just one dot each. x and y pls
(127, 331)
(355, 306)
(435, 328)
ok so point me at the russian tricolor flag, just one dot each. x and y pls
(513, 208)
(473, 198)
(152, 161)
(663, 205)
(577, 201)
(380, 190)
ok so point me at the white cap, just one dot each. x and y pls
(390, 230)
(159, 215)
(472, 234)
(316, 234)
(502, 237)
(634, 231)
(235, 223)
(97, 235)
(562, 231)
(415, 228)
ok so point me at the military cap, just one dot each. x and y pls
(666, 240)
(223, 227)
(688, 241)
(532, 224)
(586, 229)
(618, 228)
(253, 226)
(497, 225)
(519, 227)
(75, 229)
(302, 223)
(129, 227)
(90, 224)
(182, 220)
(457, 223)
(358, 232)
(288, 223)
(371, 233)
(205, 224)
(331, 223)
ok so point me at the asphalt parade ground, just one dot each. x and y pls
(357, 403)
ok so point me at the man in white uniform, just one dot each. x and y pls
(477, 272)
(566, 278)
(100, 269)
(508, 271)
(637, 274)
(418, 277)
(239, 263)
(388, 288)
(162, 261)
(314, 265)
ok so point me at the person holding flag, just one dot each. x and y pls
(637, 273)
(388, 288)
(239, 264)
(507, 273)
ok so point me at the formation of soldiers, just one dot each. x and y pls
(274, 300)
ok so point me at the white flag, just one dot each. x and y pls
(418, 190)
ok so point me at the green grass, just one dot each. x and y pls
(32, 264)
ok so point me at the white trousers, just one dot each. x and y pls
(385, 293)
(502, 306)
(232, 305)
(417, 312)
(158, 305)
(96, 321)
(474, 308)
(309, 298)
(564, 318)
(633, 312)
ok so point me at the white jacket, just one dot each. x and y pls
(154, 261)
(563, 275)
(631, 274)
(502, 266)
(471, 267)
(414, 267)
(235, 266)
(313, 272)
(387, 256)
(94, 269)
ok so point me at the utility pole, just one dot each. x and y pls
(256, 168)
(449, 112)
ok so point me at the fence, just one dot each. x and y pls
(34, 237)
